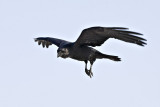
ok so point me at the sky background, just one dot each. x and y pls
(31, 76)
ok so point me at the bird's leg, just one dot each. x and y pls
(86, 70)
(90, 71)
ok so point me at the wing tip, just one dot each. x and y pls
(43, 41)
(35, 39)
(142, 43)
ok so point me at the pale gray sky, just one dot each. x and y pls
(31, 76)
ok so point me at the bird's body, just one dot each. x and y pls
(82, 53)
(82, 49)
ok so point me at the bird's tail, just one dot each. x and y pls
(111, 57)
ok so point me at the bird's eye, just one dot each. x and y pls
(63, 50)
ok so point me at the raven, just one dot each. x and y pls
(82, 49)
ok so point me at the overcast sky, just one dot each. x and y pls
(31, 76)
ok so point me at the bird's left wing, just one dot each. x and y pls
(47, 41)
(96, 36)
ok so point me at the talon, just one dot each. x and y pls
(91, 73)
(87, 72)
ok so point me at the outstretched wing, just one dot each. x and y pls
(96, 36)
(47, 41)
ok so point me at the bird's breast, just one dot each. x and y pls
(82, 53)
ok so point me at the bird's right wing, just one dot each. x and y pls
(47, 41)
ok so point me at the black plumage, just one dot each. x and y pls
(82, 49)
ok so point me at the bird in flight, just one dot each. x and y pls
(82, 49)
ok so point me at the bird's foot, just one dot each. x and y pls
(89, 73)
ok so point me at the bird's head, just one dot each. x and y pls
(62, 52)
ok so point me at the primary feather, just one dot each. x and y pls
(47, 41)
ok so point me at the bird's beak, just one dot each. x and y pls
(58, 54)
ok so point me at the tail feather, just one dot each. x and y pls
(111, 57)
(114, 58)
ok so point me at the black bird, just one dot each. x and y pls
(82, 49)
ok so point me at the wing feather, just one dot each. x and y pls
(47, 41)
(96, 36)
